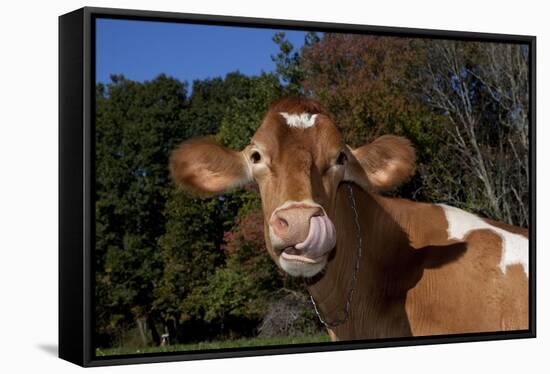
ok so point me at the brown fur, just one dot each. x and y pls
(383, 164)
(203, 167)
(412, 279)
(298, 105)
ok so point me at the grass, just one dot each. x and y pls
(239, 343)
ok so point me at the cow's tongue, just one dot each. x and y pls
(320, 239)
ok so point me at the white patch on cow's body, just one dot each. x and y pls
(515, 247)
(302, 121)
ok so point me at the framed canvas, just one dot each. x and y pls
(236, 186)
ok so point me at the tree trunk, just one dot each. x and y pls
(142, 327)
(154, 333)
(172, 331)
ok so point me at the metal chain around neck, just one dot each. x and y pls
(338, 321)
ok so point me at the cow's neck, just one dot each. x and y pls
(387, 267)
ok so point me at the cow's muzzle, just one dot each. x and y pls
(301, 234)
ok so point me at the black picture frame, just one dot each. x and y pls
(76, 176)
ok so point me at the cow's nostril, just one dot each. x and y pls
(280, 223)
(291, 224)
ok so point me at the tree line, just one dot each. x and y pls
(196, 269)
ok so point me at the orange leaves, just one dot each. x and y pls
(363, 80)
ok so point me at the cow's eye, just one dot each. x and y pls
(255, 157)
(342, 158)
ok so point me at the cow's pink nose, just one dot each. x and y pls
(291, 224)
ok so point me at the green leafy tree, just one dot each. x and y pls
(190, 251)
(136, 124)
(208, 102)
(288, 65)
(244, 113)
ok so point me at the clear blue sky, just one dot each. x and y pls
(141, 50)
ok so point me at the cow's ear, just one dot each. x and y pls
(381, 165)
(204, 167)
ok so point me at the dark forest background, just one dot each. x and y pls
(196, 270)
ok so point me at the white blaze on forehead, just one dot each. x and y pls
(302, 121)
(515, 247)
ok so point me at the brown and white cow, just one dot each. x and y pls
(405, 268)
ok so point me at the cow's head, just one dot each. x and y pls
(298, 158)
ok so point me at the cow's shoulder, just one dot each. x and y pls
(424, 223)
